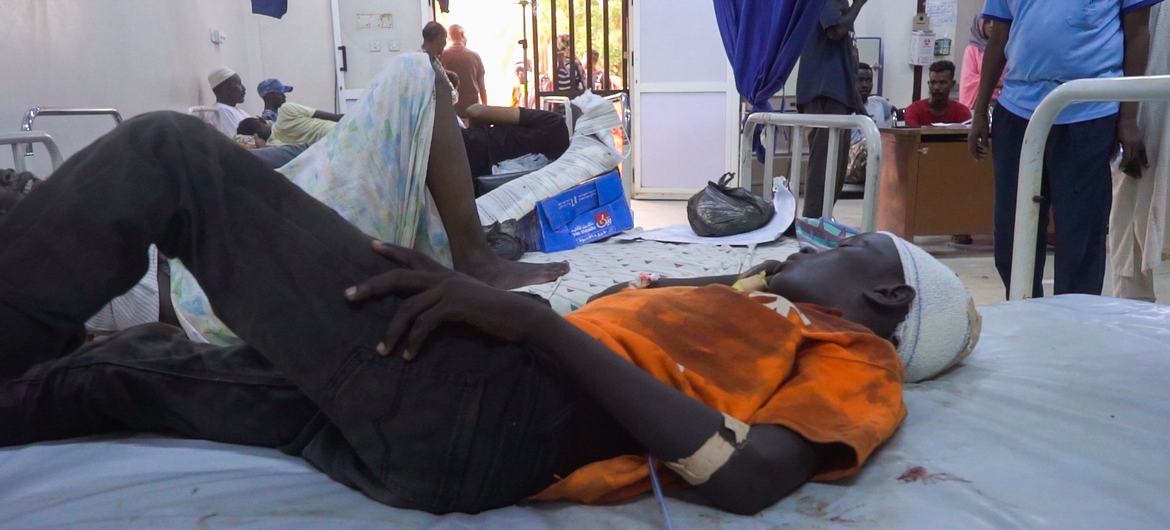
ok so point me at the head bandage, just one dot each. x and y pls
(942, 325)
(712, 455)
(219, 75)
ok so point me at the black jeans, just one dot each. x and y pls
(472, 424)
(1077, 184)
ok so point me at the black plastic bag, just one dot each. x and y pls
(722, 211)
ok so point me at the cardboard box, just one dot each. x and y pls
(590, 211)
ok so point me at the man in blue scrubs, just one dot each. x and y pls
(1049, 43)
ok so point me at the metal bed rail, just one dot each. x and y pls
(772, 121)
(17, 139)
(1148, 88)
(32, 114)
(209, 115)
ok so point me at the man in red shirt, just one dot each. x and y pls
(940, 108)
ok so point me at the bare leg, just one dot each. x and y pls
(488, 115)
(449, 180)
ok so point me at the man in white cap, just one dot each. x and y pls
(229, 91)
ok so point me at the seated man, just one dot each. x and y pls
(272, 91)
(229, 91)
(295, 123)
(744, 392)
(940, 108)
(883, 113)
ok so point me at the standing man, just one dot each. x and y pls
(827, 84)
(939, 107)
(229, 91)
(272, 91)
(434, 39)
(1137, 225)
(1051, 43)
(468, 66)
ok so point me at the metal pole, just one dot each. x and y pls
(830, 195)
(554, 37)
(797, 149)
(605, 43)
(589, 43)
(535, 55)
(572, 46)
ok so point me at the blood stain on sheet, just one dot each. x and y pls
(920, 474)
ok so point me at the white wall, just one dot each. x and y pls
(892, 20)
(143, 55)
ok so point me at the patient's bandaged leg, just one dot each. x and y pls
(591, 152)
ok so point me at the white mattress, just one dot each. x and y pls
(598, 266)
(1061, 418)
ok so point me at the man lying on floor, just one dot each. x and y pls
(426, 388)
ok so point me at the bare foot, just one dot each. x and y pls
(513, 274)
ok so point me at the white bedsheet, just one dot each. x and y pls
(1061, 418)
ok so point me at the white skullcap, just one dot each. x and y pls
(219, 75)
(942, 325)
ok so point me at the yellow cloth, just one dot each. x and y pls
(295, 124)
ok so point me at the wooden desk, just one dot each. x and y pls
(930, 185)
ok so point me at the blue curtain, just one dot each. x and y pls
(763, 39)
(272, 8)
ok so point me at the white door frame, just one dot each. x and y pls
(638, 88)
(342, 95)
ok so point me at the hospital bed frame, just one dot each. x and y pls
(17, 139)
(772, 121)
(31, 115)
(1147, 88)
(209, 115)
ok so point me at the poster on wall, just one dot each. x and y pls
(943, 15)
(943, 20)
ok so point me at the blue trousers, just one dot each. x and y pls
(1076, 187)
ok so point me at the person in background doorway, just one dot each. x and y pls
(1137, 225)
(973, 62)
(827, 84)
(570, 73)
(434, 39)
(468, 65)
(521, 90)
(883, 113)
(1051, 43)
(229, 91)
(939, 108)
(272, 91)
(601, 80)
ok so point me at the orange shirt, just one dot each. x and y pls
(756, 357)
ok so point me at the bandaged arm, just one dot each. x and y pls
(763, 464)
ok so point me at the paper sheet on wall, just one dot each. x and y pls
(943, 15)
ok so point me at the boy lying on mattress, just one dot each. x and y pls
(428, 388)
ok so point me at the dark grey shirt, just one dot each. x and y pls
(828, 67)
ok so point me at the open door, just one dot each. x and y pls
(367, 34)
(686, 109)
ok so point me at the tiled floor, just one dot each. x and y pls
(973, 263)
